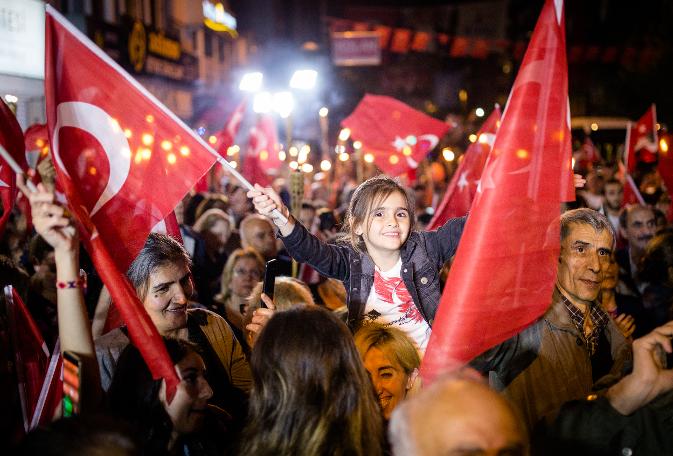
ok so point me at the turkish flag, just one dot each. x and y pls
(504, 271)
(37, 144)
(641, 140)
(31, 354)
(224, 139)
(227, 136)
(397, 135)
(463, 186)
(632, 193)
(11, 139)
(123, 160)
(262, 154)
(51, 393)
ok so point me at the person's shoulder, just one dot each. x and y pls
(204, 318)
(202, 315)
(115, 338)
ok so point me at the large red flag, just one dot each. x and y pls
(123, 160)
(641, 140)
(505, 268)
(262, 153)
(463, 186)
(11, 139)
(397, 135)
(31, 354)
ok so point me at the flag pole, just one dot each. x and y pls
(15, 167)
(627, 145)
(242, 180)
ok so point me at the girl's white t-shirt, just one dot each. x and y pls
(390, 304)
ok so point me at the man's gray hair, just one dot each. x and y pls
(585, 216)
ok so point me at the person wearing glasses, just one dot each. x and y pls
(243, 270)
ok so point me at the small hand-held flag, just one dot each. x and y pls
(641, 140)
(463, 186)
(261, 158)
(11, 140)
(31, 354)
(504, 271)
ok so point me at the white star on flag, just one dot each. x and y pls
(462, 181)
(486, 181)
(399, 143)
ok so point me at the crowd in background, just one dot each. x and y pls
(310, 372)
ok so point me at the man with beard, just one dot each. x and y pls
(637, 226)
(614, 195)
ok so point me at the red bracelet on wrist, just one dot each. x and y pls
(79, 283)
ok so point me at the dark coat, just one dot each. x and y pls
(423, 255)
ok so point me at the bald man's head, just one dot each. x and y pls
(257, 232)
(457, 416)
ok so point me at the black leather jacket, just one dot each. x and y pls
(423, 255)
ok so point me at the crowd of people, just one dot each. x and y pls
(330, 363)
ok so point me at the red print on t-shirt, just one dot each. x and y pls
(393, 291)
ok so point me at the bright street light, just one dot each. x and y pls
(479, 112)
(304, 79)
(323, 112)
(344, 134)
(251, 82)
(283, 104)
(262, 103)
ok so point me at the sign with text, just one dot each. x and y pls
(22, 38)
(356, 48)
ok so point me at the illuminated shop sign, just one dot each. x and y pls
(216, 18)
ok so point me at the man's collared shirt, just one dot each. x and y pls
(598, 317)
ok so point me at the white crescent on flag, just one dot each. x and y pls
(107, 132)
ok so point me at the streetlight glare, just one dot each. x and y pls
(283, 103)
(323, 112)
(479, 112)
(251, 82)
(344, 134)
(262, 102)
(303, 79)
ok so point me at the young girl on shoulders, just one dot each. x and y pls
(390, 271)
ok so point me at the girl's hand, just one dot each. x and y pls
(579, 181)
(49, 218)
(265, 201)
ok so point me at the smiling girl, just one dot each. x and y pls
(390, 271)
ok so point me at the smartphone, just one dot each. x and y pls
(72, 381)
(269, 279)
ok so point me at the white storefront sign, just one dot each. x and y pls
(22, 38)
